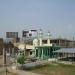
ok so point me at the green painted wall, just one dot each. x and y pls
(45, 52)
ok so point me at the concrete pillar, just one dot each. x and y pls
(38, 52)
(9, 51)
(35, 52)
(40, 41)
(13, 52)
(24, 49)
(3, 55)
(40, 37)
(42, 53)
(48, 40)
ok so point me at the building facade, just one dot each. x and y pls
(1, 45)
(63, 43)
(12, 37)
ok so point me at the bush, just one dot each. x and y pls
(21, 59)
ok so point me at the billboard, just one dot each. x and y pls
(30, 33)
(25, 33)
(34, 33)
(11, 34)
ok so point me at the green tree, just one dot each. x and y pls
(21, 59)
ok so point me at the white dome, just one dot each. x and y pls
(35, 42)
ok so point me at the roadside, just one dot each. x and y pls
(21, 72)
(1, 61)
(13, 71)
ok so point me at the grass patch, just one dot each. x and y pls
(55, 69)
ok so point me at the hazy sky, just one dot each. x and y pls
(56, 16)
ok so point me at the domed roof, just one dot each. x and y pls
(35, 42)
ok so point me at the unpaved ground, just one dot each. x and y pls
(1, 65)
(1, 61)
(4, 73)
(56, 69)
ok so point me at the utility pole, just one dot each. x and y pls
(24, 46)
(5, 59)
(73, 41)
(24, 35)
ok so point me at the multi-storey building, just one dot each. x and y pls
(63, 43)
(12, 37)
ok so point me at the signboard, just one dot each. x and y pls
(30, 33)
(25, 33)
(34, 33)
(11, 34)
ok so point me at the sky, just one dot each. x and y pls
(56, 16)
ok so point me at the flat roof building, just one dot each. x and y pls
(63, 43)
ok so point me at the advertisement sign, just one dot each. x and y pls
(11, 34)
(30, 33)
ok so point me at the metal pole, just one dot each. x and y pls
(16, 62)
(25, 46)
(6, 61)
(3, 56)
(6, 70)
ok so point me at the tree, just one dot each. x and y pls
(21, 59)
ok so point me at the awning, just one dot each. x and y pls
(65, 50)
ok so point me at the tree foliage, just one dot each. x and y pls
(21, 59)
